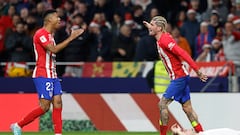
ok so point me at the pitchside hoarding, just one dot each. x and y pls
(122, 112)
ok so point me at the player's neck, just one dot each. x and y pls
(48, 28)
(158, 35)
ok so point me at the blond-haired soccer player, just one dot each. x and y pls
(178, 90)
(44, 75)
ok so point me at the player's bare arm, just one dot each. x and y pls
(60, 46)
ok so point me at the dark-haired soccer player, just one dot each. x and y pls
(172, 55)
(44, 75)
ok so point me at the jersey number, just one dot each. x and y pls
(49, 86)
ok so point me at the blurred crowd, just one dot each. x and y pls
(209, 30)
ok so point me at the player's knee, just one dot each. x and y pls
(57, 103)
(45, 107)
(162, 105)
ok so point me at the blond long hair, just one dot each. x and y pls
(161, 22)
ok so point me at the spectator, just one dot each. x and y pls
(40, 9)
(24, 12)
(205, 55)
(82, 8)
(169, 27)
(77, 50)
(237, 7)
(68, 7)
(231, 47)
(204, 37)
(6, 24)
(100, 19)
(220, 8)
(7, 19)
(19, 45)
(181, 18)
(125, 7)
(153, 12)
(123, 47)
(138, 16)
(31, 25)
(195, 5)
(146, 49)
(143, 3)
(4, 5)
(236, 23)
(217, 50)
(199, 5)
(214, 23)
(103, 6)
(190, 29)
(116, 24)
(99, 43)
(180, 40)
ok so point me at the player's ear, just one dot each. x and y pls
(159, 28)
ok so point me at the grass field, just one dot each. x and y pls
(87, 133)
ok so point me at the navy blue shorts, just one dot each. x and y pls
(47, 87)
(178, 90)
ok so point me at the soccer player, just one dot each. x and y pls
(177, 130)
(44, 75)
(178, 89)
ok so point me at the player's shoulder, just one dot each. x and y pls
(166, 38)
(41, 31)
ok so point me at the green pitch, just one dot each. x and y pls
(88, 133)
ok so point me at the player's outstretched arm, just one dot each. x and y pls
(146, 24)
(180, 52)
(74, 34)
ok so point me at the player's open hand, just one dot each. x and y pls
(202, 76)
(75, 33)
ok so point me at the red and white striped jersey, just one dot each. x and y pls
(45, 60)
(172, 56)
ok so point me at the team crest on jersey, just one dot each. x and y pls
(171, 45)
(43, 39)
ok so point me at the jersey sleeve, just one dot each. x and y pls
(183, 54)
(170, 44)
(43, 39)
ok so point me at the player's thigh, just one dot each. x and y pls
(57, 88)
(44, 87)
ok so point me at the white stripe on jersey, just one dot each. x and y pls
(168, 62)
(54, 72)
(47, 64)
(36, 57)
(185, 69)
